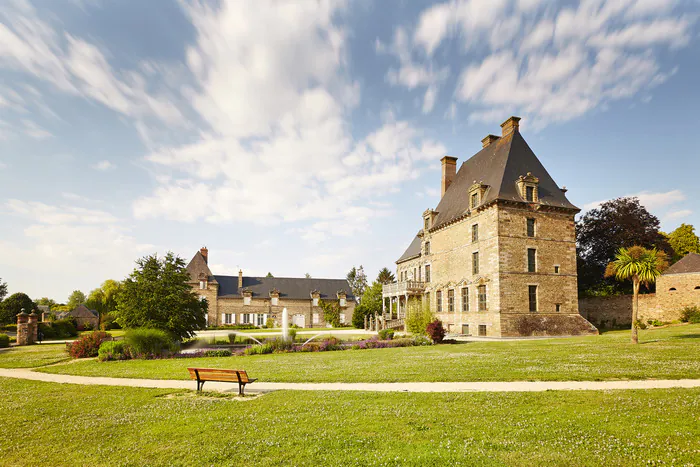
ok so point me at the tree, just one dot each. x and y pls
(13, 305)
(357, 280)
(418, 316)
(370, 305)
(307, 275)
(331, 312)
(104, 298)
(683, 241)
(385, 276)
(600, 234)
(157, 295)
(3, 290)
(641, 266)
(269, 274)
(46, 301)
(76, 298)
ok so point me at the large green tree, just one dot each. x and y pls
(600, 234)
(385, 276)
(641, 266)
(3, 290)
(76, 298)
(13, 305)
(47, 302)
(683, 241)
(358, 281)
(370, 305)
(157, 295)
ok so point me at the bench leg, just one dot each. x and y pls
(241, 389)
(200, 385)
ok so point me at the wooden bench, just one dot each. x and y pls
(219, 374)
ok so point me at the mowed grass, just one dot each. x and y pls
(669, 353)
(33, 356)
(99, 425)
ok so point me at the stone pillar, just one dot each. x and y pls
(383, 304)
(32, 327)
(22, 328)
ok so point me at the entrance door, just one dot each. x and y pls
(465, 329)
(299, 320)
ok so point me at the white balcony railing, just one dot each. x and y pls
(410, 287)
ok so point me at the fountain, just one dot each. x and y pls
(285, 324)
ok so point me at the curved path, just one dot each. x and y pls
(493, 386)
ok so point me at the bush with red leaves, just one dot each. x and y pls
(436, 331)
(87, 345)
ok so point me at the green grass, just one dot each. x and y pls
(33, 356)
(669, 353)
(98, 425)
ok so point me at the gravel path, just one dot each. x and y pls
(511, 386)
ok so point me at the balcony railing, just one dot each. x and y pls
(404, 287)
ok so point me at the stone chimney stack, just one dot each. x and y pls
(205, 253)
(240, 279)
(488, 140)
(449, 170)
(510, 125)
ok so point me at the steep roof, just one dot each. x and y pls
(198, 265)
(81, 311)
(288, 287)
(499, 165)
(689, 264)
(412, 251)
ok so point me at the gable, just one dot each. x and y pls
(690, 263)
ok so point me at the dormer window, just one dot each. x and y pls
(426, 223)
(274, 297)
(202, 285)
(528, 187)
(474, 200)
(247, 296)
(476, 194)
(342, 298)
(315, 296)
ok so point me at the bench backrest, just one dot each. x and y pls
(219, 374)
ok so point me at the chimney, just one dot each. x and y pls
(510, 125)
(240, 279)
(205, 253)
(488, 140)
(449, 170)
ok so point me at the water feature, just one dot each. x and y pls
(285, 324)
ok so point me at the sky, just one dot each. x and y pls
(305, 136)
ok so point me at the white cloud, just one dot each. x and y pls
(547, 62)
(103, 166)
(653, 201)
(678, 214)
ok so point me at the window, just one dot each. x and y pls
(315, 301)
(697, 288)
(438, 297)
(246, 300)
(556, 269)
(465, 299)
(530, 194)
(531, 227)
(451, 300)
(672, 289)
(531, 260)
(260, 320)
(475, 233)
(228, 318)
(474, 200)
(275, 301)
(343, 302)
(532, 297)
(465, 329)
(427, 273)
(427, 248)
(419, 273)
(558, 307)
(482, 330)
(202, 285)
(316, 318)
(246, 318)
(482, 298)
(427, 298)
(426, 223)
(475, 262)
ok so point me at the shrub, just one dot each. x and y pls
(292, 334)
(386, 334)
(9, 328)
(218, 353)
(639, 324)
(270, 323)
(260, 349)
(113, 350)
(47, 331)
(279, 344)
(88, 345)
(421, 340)
(436, 331)
(4, 341)
(330, 343)
(64, 328)
(655, 322)
(690, 314)
(418, 316)
(231, 337)
(108, 322)
(149, 343)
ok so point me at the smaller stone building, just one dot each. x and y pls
(678, 287)
(235, 300)
(83, 316)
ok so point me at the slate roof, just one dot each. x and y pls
(198, 265)
(689, 264)
(289, 287)
(499, 165)
(412, 251)
(81, 311)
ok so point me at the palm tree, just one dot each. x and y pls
(385, 276)
(640, 265)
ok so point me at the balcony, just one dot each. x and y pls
(403, 288)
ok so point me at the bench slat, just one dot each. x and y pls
(219, 374)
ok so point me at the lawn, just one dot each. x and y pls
(98, 425)
(668, 353)
(33, 356)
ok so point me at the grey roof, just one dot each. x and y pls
(412, 251)
(499, 166)
(81, 311)
(689, 264)
(198, 266)
(289, 287)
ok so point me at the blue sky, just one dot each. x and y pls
(303, 136)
